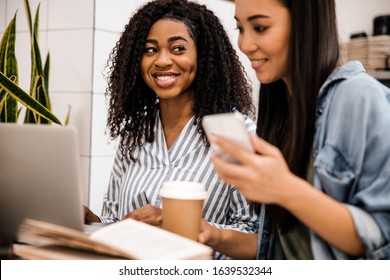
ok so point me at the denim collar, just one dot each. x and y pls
(343, 72)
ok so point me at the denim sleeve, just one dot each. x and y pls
(367, 229)
(353, 166)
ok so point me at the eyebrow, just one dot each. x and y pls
(253, 17)
(171, 39)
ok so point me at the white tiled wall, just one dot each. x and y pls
(18, 5)
(72, 60)
(70, 14)
(113, 15)
(80, 115)
(3, 17)
(85, 165)
(80, 34)
(355, 16)
(100, 170)
(104, 42)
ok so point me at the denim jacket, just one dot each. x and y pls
(351, 162)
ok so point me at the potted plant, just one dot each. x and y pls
(37, 103)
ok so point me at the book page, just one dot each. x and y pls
(54, 252)
(148, 242)
(43, 233)
(128, 238)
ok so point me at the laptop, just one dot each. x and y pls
(39, 177)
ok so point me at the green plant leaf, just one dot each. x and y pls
(9, 66)
(43, 98)
(68, 115)
(46, 70)
(7, 45)
(36, 23)
(30, 116)
(36, 60)
(3, 95)
(10, 110)
(37, 57)
(9, 106)
(38, 93)
(28, 12)
(24, 98)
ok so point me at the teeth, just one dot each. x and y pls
(165, 78)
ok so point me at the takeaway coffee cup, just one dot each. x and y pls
(182, 205)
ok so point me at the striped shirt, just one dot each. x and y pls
(135, 184)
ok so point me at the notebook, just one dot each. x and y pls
(39, 177)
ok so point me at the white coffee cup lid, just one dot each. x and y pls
(183, 190)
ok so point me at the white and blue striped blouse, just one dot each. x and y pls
(134, 184)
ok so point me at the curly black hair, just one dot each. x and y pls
(220, 84)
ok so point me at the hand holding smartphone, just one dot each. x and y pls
(230, 126)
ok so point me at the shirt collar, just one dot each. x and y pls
(343, 72)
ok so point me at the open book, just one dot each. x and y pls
(128, 239)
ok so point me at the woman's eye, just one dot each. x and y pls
(240, 29)
(260, 28)
(150, 50)
(178, 49)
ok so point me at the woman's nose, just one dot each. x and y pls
(163, 59)
(246, 43)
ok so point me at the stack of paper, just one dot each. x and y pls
(378, 52)
(358, 50)
(373, 51)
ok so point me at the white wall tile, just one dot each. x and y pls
(356, 16)
(70, 14)
(100, 174)
(113, 15)
(3, 16)
(101, 144)
(85, 173)
(142, 2)
(80, 115)
(103, 44)
(71, 60)
(18, 5)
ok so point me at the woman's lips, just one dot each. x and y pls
(257, 63)
(165, 80)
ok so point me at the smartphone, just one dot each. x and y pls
(230, 126)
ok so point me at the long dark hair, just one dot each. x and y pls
(220, 84)
(287, 116)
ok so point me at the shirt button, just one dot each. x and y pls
(320, 110)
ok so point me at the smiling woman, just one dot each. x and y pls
(169, 63)
(323, 197)
(173, 65)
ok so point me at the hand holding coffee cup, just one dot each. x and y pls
(182, 204)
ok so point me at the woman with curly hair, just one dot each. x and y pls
(173, 65)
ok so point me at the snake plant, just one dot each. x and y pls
(37, 102)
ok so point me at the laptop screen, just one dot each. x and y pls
(39, 177)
